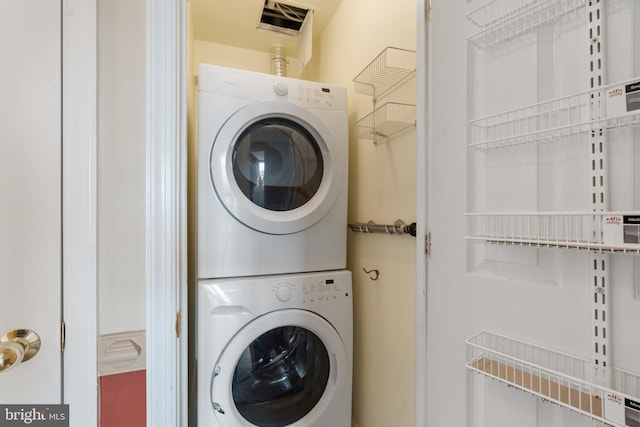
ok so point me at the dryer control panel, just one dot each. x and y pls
(317, 96)
(261, 87)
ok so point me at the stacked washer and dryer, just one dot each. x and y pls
(274, 322)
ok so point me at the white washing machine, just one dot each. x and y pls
(272, 174)
(275, 351)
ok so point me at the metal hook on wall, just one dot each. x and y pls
(376, 273)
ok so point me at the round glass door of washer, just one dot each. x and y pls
(276, 376)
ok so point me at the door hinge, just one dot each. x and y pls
(63, 335)
(428, 11)
(427, 244)
(178, 325)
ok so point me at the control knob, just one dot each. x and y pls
(283, 293)
(281, 88)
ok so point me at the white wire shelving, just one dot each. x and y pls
(554, 120)
(599, 231)
(501, 20)
(385, 121)
(550, 374)
(389, 68)
(590, 386)
(390, 80)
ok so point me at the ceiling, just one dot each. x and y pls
(234, 22)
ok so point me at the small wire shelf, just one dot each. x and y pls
(556, 119)
(559, 377)
(599, 231)
(385, 121)
(501, 20)
(388, 69)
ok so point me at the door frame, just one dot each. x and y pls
(166, 215)
(423, 240)
(166, 293)
(79, 191)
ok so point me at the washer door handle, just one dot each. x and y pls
(216, 406)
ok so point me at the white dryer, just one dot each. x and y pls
(275, 351)
(272, 174)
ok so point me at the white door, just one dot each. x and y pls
(30, 199)
(542, 297)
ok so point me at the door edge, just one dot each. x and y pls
(79, 139)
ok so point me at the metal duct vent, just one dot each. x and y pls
(282, 18)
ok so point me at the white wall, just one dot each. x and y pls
(121, 165)
(382, 189)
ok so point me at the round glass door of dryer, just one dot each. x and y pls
(279, 369)
(274, 167)
(277, 164)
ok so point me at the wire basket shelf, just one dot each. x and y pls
(552, 375)
(385, 121)
(607, 108)
(501, 20)
(594, 231)
(388, 69)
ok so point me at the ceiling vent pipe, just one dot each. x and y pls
(279, 60)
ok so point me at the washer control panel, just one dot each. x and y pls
(309, 293)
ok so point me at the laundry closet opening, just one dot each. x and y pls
(379, 179)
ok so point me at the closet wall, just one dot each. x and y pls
(121, 165)
(121, 213)
(382, 189)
